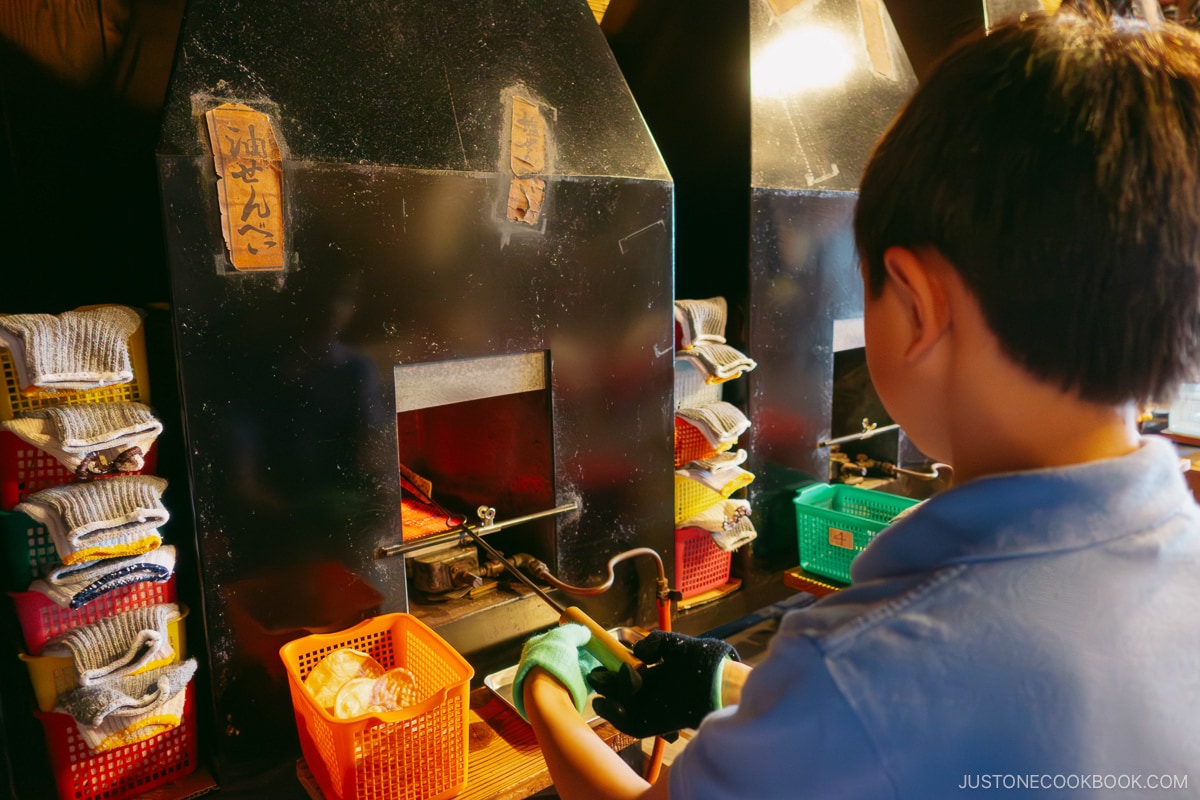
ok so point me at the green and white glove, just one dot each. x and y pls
(560, 652)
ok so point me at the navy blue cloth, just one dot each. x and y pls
(1035, 632)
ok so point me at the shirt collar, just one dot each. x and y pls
(1035, 511)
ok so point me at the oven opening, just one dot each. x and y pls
(866, 439)
(473, 434)
(870, 450)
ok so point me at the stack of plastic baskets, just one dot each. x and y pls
(835, 522)
(80, 773)
(416, 753)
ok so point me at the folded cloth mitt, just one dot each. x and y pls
(118, 516)
(76, 585)
(560, 652)
(91, 438)
(718, 361)
(720, 423)
(130, 709)
(719, 461)
(700, 321)
(724, 483)
(132, 641)
(727, 522)
(74, 350)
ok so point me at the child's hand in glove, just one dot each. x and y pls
(560, 652)
(678, 687)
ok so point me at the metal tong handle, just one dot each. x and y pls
(603, 645)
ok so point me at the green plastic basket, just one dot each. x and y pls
(835, 522)
(26, 547)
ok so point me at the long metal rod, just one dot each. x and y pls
(858, 437)
(508, 523)
(456, 533)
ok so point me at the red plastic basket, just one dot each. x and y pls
(416, 753)
(81, 773)
(41, 618)
(25, 469)
(699, 564)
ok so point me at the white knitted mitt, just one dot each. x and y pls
(91, 438)
(74, 350)
(76, 585)
(109, 518)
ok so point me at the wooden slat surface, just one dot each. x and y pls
(504, 761)
(797, 578)
(503, 758)
(598, 8)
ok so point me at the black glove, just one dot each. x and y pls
(678, 686)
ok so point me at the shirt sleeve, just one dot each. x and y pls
(793, 735)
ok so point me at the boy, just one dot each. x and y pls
(1030, 235)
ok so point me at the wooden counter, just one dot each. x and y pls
(504, 761)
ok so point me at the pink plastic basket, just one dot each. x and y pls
(699, 564)
(41, 618)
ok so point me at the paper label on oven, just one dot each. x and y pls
(249, 185)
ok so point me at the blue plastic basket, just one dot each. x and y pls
(835, 522)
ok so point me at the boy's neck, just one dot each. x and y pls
(1016, 423)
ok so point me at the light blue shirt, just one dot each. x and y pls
(1032, 634)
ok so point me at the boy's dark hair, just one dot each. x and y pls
(1055, 163)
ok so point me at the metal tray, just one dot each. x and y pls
(501, 682)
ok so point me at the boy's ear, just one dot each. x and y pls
(919, 283)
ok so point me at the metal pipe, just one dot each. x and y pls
(456, 533)
(489, 526)
(933, 474)
(542, 572)
(858, 437)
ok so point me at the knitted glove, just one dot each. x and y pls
(678, 687)
(74, 350)
(701, 320)
(127, 696)
(76, 585)
(91, 438)
(132, 709)
(101, 519)
(560, 652)
(122, 644)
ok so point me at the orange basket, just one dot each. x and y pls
(416, 753)
(699, 564)
(25, 469)
(41, 617)
(690, 444)
(15, 400)
(80, 773)
(692, 497)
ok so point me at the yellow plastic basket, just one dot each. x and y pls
(53, 675)
(14, 400)
(692, 497)
(416, 753)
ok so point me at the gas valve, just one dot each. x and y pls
(446, 570)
